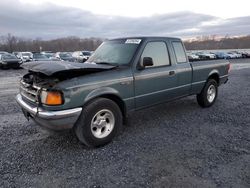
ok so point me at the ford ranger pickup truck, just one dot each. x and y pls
(123, 75)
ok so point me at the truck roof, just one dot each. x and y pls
(148, 38)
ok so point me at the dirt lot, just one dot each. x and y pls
(177, 144)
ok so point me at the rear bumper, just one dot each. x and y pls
(56, 120)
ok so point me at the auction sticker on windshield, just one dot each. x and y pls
(133, 41)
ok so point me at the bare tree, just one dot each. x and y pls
(10, 41)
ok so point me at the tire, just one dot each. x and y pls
(208, 95)
(99, 122)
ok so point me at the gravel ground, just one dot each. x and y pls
(178, 145)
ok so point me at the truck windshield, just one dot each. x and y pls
(116, 52)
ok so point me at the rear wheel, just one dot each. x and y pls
(208, 95)
(99, 122)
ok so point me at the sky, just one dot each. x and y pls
(49, 19)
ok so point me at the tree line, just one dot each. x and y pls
(213, 43)
(11, 43)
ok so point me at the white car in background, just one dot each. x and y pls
(231, 55)
(24, 56)
(65, 56)
(81, 56)
(235, 54)
(206, 55)
(212, 55)
(192, 56)
(3, 52)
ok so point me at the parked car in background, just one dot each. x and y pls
(24, 56)
(239, 54)
(192, 56)
(87, 53)
(65, 56)
(245, 55)
(222, 55)
(235, 54)
(8, 60)
(39, 57)
(15, 53)
(48, 54)
(3, 52)
(232, 55)
(81, 56)
(206, 55)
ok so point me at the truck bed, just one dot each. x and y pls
(203, 69)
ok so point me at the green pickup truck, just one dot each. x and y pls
(123, 75)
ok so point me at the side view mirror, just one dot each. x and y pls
(147, 61)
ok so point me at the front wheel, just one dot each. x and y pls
(99, 122)
(208, 94)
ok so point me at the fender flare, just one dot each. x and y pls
(109, 93)
(214, 71)
(99, 92)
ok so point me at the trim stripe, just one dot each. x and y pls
(182, 86)
(224, 76)
(200, 82)
(156, 92)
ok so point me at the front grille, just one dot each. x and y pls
(29, 91)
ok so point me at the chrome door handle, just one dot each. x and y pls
(125, 83)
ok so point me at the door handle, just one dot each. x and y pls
(171, 72)
(125, 83)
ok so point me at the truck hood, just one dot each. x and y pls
(54, 68)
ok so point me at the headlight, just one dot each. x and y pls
(51, 98)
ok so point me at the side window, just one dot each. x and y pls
(158, 52)
(179, 52)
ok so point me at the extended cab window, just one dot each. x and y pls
(179, 52)
(158, 52)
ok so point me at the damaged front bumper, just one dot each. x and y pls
(56, 120)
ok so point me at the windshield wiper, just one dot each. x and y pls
(107, 63)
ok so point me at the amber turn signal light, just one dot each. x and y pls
(51, 98)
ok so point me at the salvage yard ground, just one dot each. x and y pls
(177, 144)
